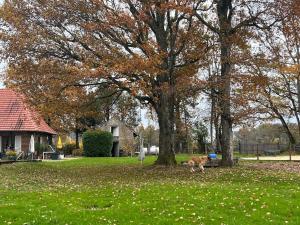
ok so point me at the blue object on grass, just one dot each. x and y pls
(212, 155)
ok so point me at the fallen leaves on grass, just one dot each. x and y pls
(170, 195)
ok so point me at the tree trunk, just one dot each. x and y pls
(212, 115)
(297, 108)
(295, 103)
(164, 110)
(224, 8)
(107, 114)
(186, 132)
(179, 133)
(298, 92)
(285, 126)
(288, 132)
(281, 118)
(50, 138)
(77, 138)
(217, 133)
(226, 127)
(298, 78)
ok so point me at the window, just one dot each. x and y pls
(115, 131)
(8, 142)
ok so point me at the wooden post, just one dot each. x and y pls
(290, 151)
(257, 153)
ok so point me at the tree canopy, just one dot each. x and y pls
(244, 55)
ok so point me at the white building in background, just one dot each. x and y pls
(123, 137)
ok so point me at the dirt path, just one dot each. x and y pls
(273, 158)
(293, 167)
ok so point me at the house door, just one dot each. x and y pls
(0, 144)
(18, 144)
(115, 149)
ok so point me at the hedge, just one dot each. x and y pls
(77, 152)
(97, 143)
(68, 148)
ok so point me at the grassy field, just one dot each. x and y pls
(121, 191)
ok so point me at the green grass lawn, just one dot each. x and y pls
(121, 191)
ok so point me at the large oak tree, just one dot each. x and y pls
(142, 47)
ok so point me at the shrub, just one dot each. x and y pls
(97, 143)
(68, 148)
(10, 153)
(77, 152)
(128, 148)
(40, 148)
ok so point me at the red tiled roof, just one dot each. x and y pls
(16, 116)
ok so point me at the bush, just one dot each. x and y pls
(11, 154)
(97, 143)
(40, 148)
(67, 149)
(128, 148)
(77, 152)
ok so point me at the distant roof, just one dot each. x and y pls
(15, 114)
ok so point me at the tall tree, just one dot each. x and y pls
(142, 47)
(229, 20)
(273, 79)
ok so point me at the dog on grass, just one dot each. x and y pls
(198, 161)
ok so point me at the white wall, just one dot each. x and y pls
(115, 131)
(18, 144)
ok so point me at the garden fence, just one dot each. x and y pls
(261, 149)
